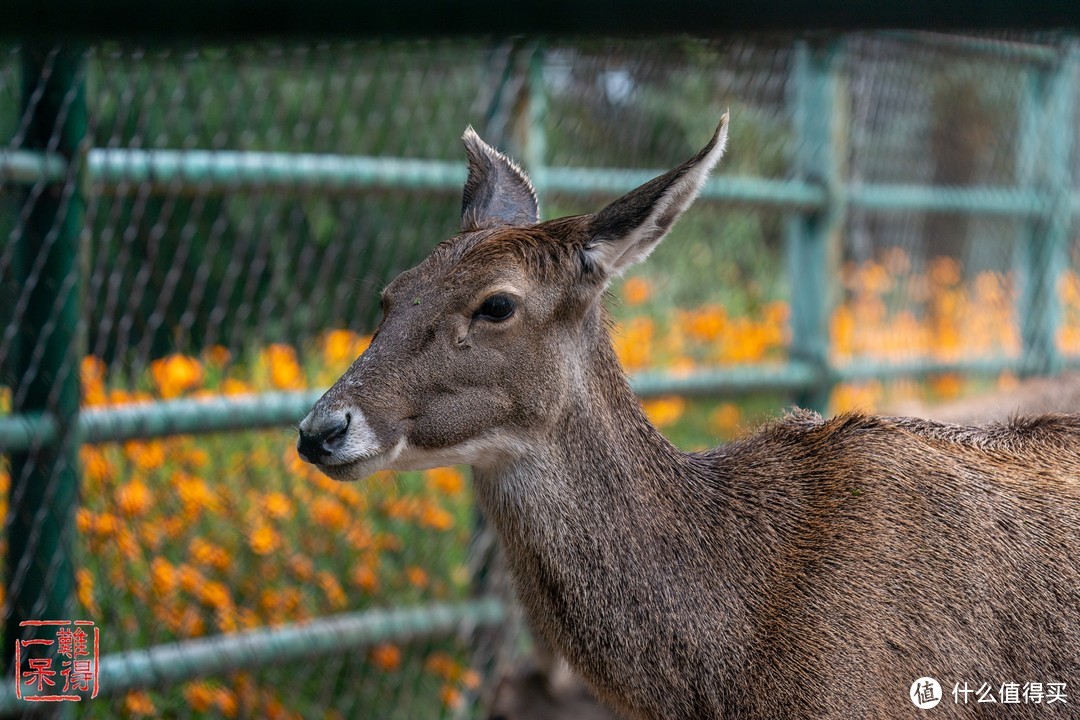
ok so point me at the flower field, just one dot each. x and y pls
(192, 536)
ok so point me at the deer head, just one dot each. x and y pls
(485, 344)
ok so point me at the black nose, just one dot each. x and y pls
(322, 442)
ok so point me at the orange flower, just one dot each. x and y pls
(944, 271)
(278, 505)
(189, 578)
(163, 577)
(207, 553)
(92, 372)
(329, 513)
(446, 479)
(636, 290)
(176, 374)
(451, 697)
(417, 577)
(852, 396)
(330, 586)
(196, 457)
(215, 594)
(217, 356)
(364, 577)
(102, 524)
(633, 343)
(232, 386)
(706, 323)
(471, 679)
(343, 346)
(264, 540)
(96, 464)
(948, 385)
(138, 702)
(725, 418)
(285, 371)
(442, 665)
(386, 657)
(84, 589)
(359, 536)
(134, 498)
(301, 566)
(195, 494)
(434, 517)
(226, 703)
(145, 454)
(199, 695)
(665, 411)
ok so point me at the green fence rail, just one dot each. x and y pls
(174, 663)
(815, 199)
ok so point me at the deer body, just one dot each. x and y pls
(815, 569)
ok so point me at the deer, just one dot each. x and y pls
(814, 568)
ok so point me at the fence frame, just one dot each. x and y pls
(817, 199)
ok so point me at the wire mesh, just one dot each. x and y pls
(235, 282)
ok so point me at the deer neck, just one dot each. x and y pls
(606, 517)
(601, 461)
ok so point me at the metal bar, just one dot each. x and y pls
(189, 417)
(1045, 161)
(45, 478)
(27, 167)
(864, 370)
(184, 417)
(887, 197)
(123, 171)
(813, 235)
(176, 662)
(595, 181)
(790, 377)
(217, 171)
(989, 48)
(19, 433)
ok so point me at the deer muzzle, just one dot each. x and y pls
(343, 444)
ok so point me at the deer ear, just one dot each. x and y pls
(497, 191)
(627, 230)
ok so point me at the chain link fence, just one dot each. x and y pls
(192, 241)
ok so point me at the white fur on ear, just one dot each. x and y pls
(627, 230)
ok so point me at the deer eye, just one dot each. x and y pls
(496, 308)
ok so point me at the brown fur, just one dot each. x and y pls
(812, 570)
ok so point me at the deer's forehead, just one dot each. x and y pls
(437, 279)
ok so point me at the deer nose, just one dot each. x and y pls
(319, 442)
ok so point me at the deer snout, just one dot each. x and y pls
(323, 436)
(334, 436)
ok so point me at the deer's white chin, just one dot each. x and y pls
(484, 452)
(365, 466)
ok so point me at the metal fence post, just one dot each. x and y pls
(813, 235)
(45, 370)
(1045, 162)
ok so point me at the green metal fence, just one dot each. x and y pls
(168, 200)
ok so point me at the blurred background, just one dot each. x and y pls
(192, 243)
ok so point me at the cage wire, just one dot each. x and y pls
(229, 215)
